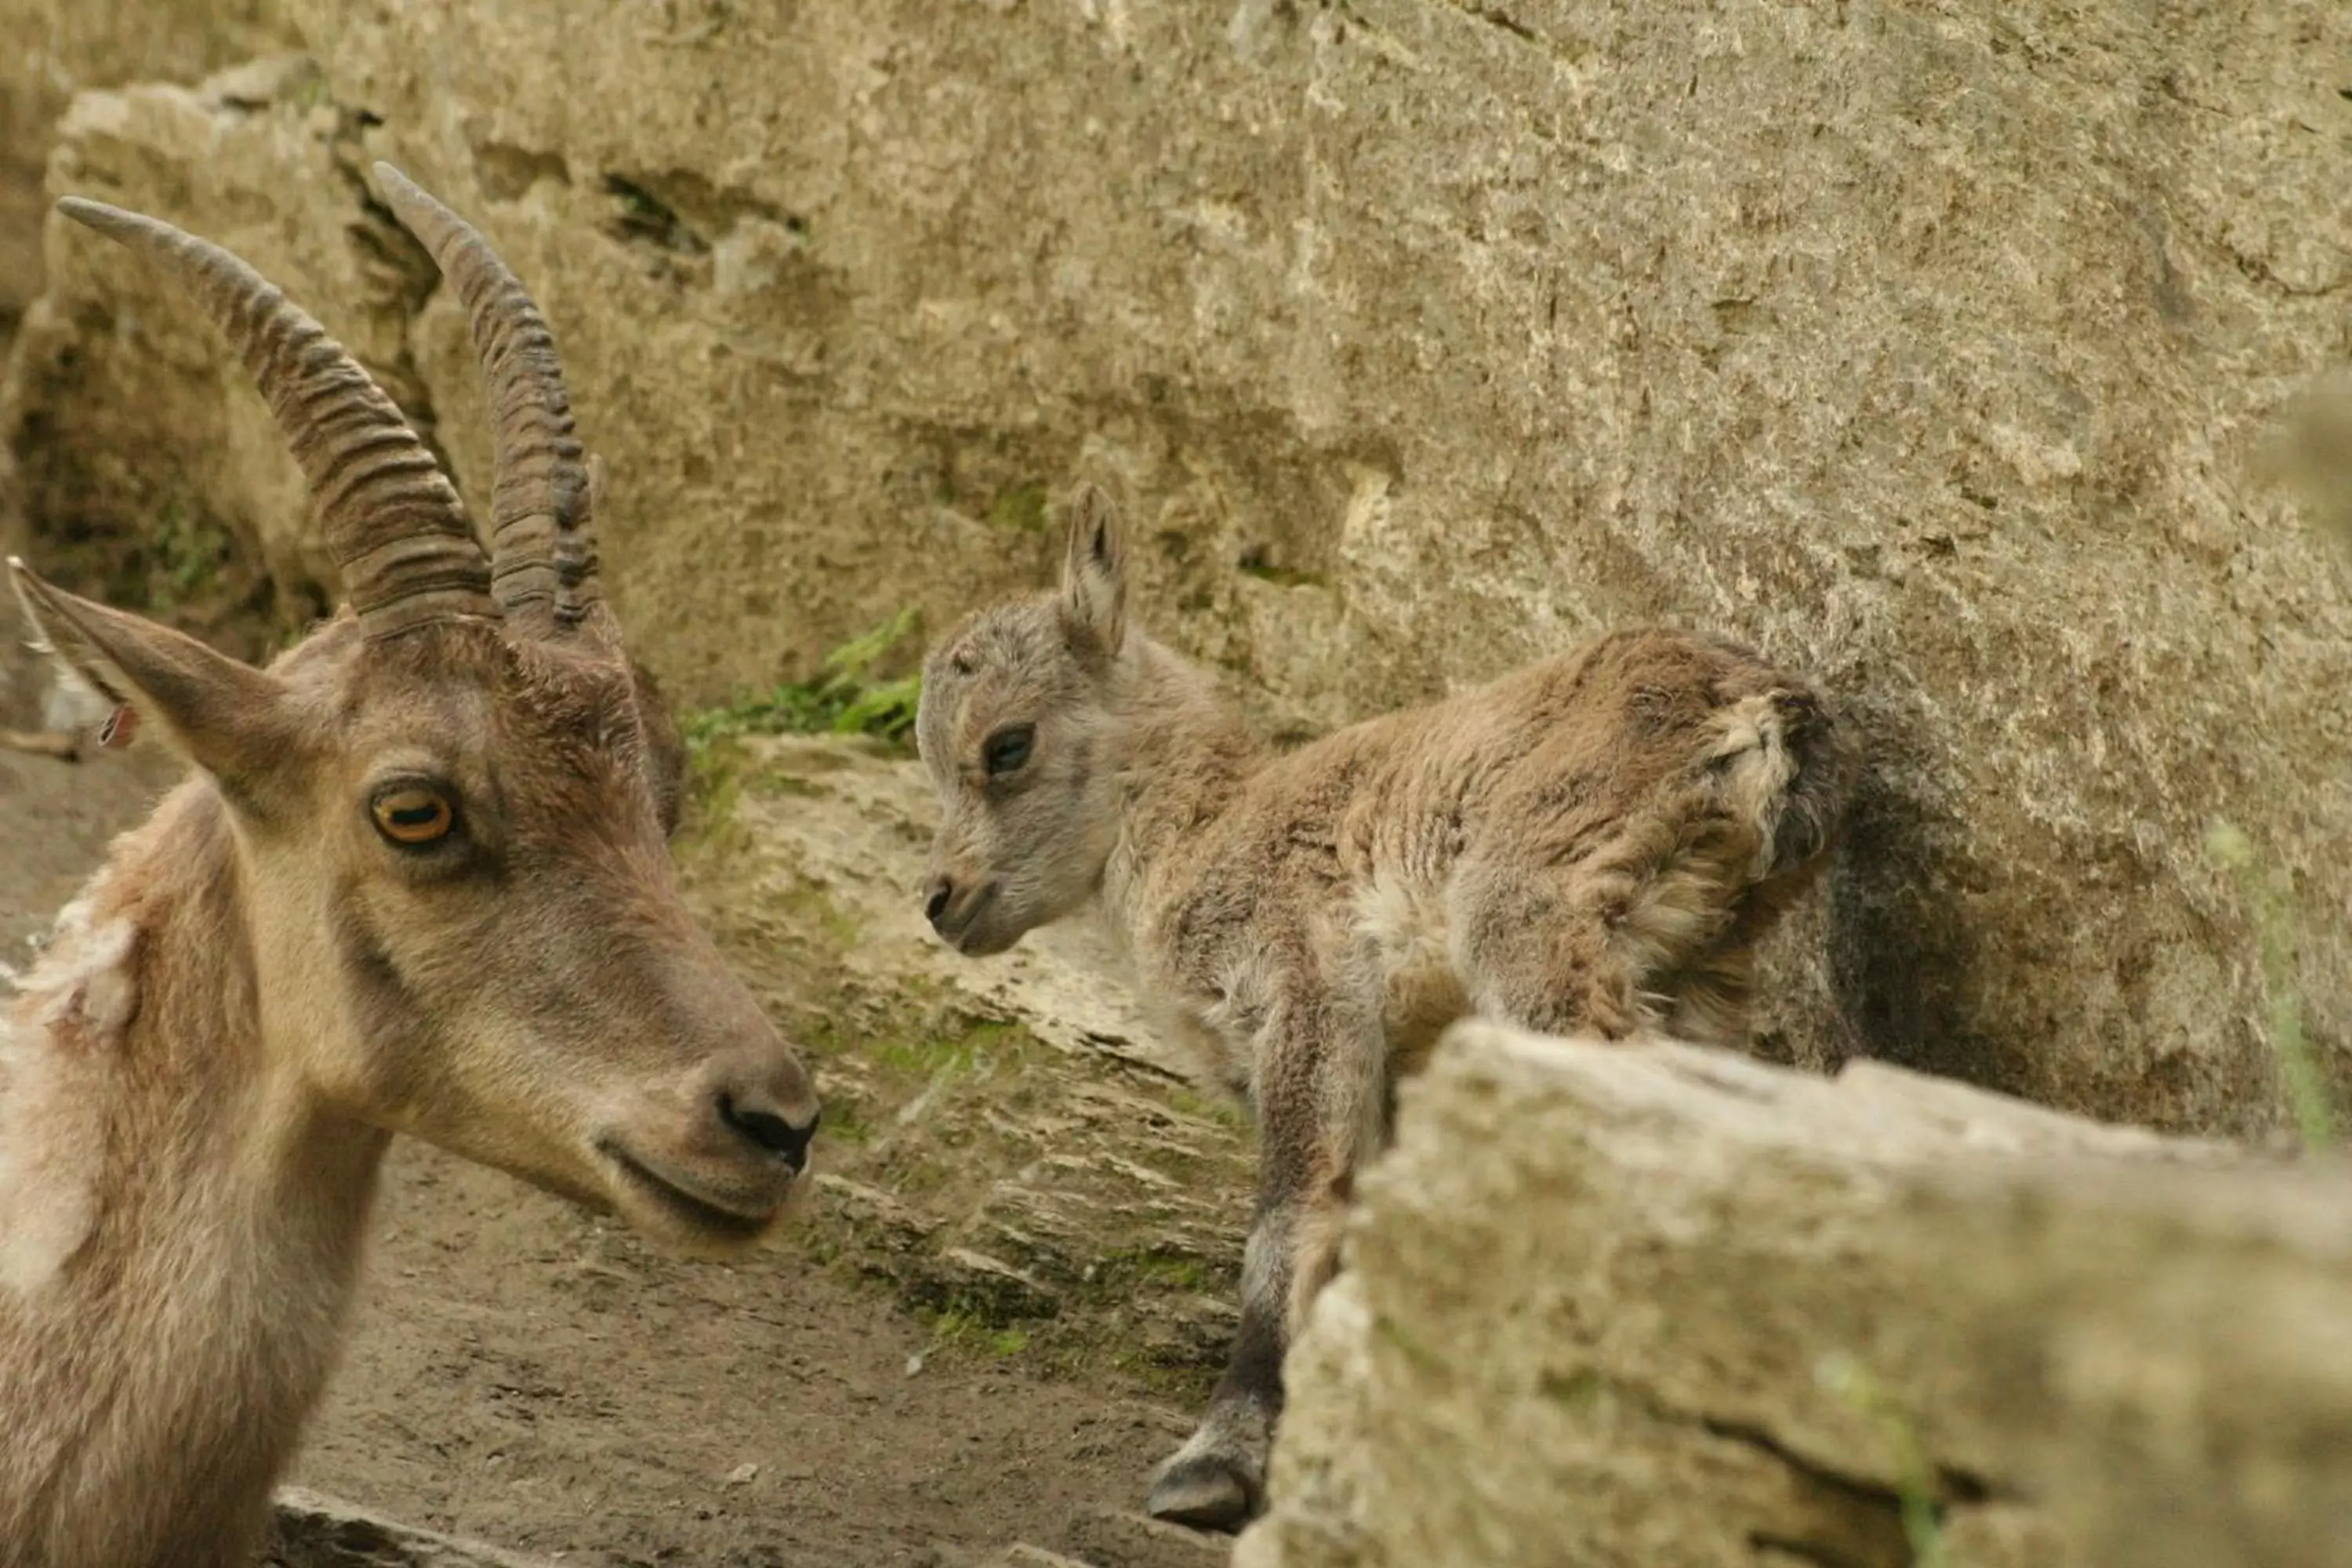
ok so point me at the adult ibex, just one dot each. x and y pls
(1594, 843)
(418, 884)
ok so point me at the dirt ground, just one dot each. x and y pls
(532, 1375)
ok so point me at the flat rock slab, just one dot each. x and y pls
(315, 1531)
(1666, 1308)
(312, 1530)
(1006, 1141)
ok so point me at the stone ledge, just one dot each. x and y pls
(315, 1531)
(1660, 1306)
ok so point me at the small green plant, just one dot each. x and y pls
(1125, 1267)
(1849, 1382)
(2270, 899)
(971, 1331)
(1220, 1108)
(186, 555)
(843, 699)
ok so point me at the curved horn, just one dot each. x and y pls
(544, 540)
(391, 519)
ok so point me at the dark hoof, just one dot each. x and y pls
(1203, 1492)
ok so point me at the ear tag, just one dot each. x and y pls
(119, 727)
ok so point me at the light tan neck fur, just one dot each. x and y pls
(1184, 753)
(183, 1225)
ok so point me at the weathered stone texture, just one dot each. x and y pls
(50, 49)
(1666, 1308)
(1010, 1147)
(1922, 345)
(314, 1531)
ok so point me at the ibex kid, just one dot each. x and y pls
(1594, 843)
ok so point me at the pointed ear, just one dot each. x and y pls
(665, 746)
(227, 718)
(1094, 571)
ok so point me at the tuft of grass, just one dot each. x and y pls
(845, 699)
(2270, 899)
(1223, 1110)
(1923, 1526)
(1125, 1267)
(971, 1331)
(954, 1047)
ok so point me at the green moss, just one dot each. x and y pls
(1259, 563)
(1216, 1108)
(1851, 1384)
(954, 1047)
(186, 553)
(1022, 508)
(807, 903)
(2270, 899)
(780, 781)
(1120, 1271)
(846, 1122)
(845, 698)
(960, 1330)
(1283, 576)
(714, 789)
(1414, 1348)
(1578, 1390)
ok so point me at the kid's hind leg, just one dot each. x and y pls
(1600, 943)
(1710, 1001)
(1319, 1094)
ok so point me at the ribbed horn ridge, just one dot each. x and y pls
(544, 540)
(392, 521)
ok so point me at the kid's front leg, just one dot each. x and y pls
(1320, 1105)
(1217, 1479)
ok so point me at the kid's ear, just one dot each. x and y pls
(1094, 571)
(229, 718)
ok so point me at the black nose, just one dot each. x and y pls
(771, 1131)
(935, 908)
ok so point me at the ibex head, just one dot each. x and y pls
(1017, 726)
(449, 805)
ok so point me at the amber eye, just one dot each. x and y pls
(413, 815)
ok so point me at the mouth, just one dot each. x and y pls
(967, 938)
(972, 944)
(695, 1211)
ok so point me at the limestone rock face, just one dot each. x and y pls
(50, 49)
(151, 470)
(1010, 1147)
(1924, 348)
(1667, 1307)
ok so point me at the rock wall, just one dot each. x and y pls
(1769, 1322)
(1922, 346)
(50, 49)
(1011, 1147)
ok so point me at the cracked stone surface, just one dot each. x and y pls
(1666, 1307)
(315, 1531)
(1923, 346)
(1008, 1143)
(312, 1530)
(51, 49)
